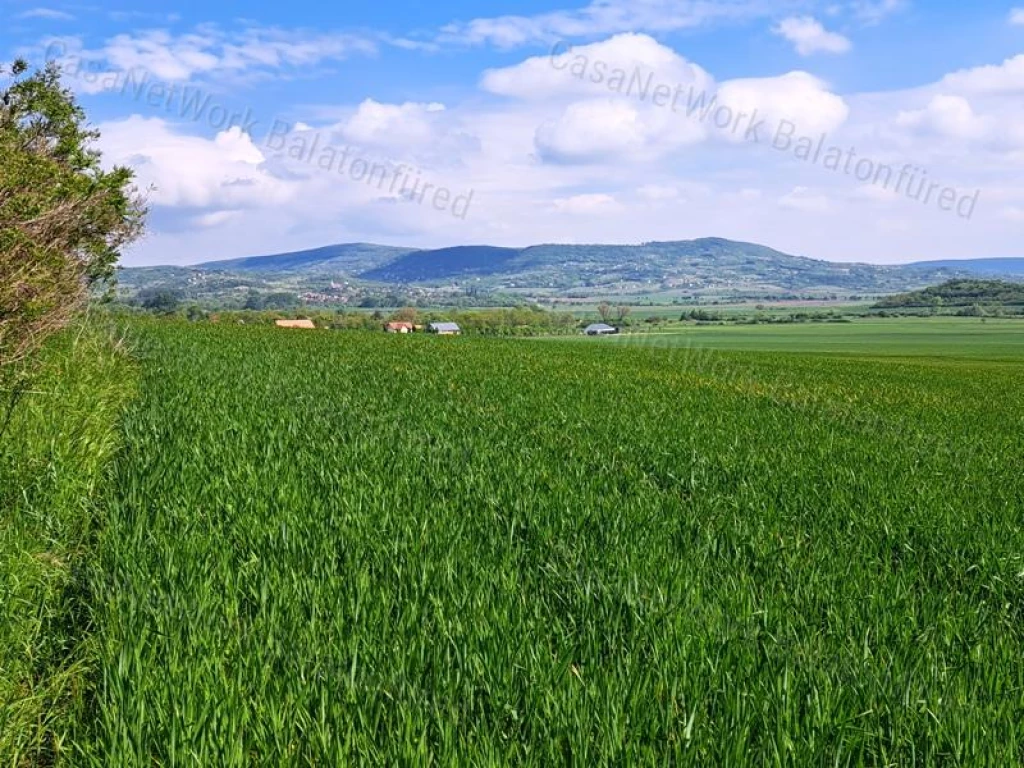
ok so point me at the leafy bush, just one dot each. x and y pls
(63, 218)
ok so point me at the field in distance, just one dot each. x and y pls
(949, 337)
(330, 548)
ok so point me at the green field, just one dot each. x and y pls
(343, 548)
(947, 337)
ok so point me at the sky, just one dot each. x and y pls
(883, 131)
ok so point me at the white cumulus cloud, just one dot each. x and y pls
(948, 116)
(225, 172)
(375, 122)
(1007, 77)
(626, 64)
(797, 99)
(808, 36)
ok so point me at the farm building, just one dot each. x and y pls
(600, 329)
(399, 328)
(445, 329)
(307, 324)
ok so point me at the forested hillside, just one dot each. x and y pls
(960, 293)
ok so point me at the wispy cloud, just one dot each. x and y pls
(210, 53)
(1017, 17)
(805, 200)
(46, 13)
(809, 36)
(600, 17)
(875, 11)
(587, 205)
(609, 17)
(148, 17)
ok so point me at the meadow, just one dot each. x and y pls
(334, 548)
(327, 548)
(941, 337)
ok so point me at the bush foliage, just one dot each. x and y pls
(63, 218)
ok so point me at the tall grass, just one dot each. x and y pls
(333, 549)
(53, 456)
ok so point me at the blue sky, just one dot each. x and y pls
(886, 130)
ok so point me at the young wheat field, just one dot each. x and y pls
(325, 548)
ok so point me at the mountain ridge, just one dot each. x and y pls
(668, 269)
(349, 255)
(981, 266)
(353, 254)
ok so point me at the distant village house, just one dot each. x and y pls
(445, 329)
(399, 327)
(600, 329)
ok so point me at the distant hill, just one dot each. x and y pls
(960, 293)
(986, 267)
(696, 264)
(345, 259)
(573, 265)
(445, 264)
(669, 270)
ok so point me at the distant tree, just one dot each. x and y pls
(622, 312)
(604, 309)
(281, 300)
(195, 313)
(160, 300)
(703, 316)
(253, 301)
(63, 219)
(407, 315)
